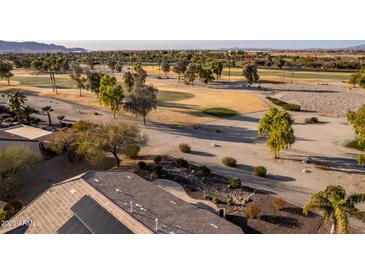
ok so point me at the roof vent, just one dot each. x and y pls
(129, 177)
(72, 191)
(156, 221)
(173, 202)
(117, 190)
(97, 180)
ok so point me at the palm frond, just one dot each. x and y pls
(358, 214)
(317, 201)
(335, 192)
(356, 198)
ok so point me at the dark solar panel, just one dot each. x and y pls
(96, 218)
(73, 226)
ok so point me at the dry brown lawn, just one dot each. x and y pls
(186, 111)
(271, 75)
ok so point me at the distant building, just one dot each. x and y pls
(114, 202)
(25, 135)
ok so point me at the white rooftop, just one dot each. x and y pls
(28, 132)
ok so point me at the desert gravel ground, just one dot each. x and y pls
(322, 142)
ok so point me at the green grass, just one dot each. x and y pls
(44, 82)
(220, 112)
(288, 74)
(167, 95)
(355, 145)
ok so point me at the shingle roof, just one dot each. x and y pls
(149, 202)
(53, 209)
(63, 209)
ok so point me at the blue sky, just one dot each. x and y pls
(206, 44)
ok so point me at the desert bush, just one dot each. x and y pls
(229, 161)
(142, 165)
(260, 171)
(252, 211)
(235, 183)
(185, 148)
(229, 201)
(10, 209)
(206, 197)
(182, 163)
(131, 151)
(291, 107)
(360, 159)
(312, 120)
(284, 105)
(61, 117)
(157, 170)
(157, 159)
(277, 203)
(215, 200)
(204, 170)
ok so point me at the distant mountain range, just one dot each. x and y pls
(34, 47)
(354, 48)
(357, 48)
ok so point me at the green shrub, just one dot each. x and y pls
(229, 201)
(291, 107)
(10, 209)
(142, 165)
(157, 159)
(185, 148)
(206, 197)
(284, 105)
(204, 170)
(229, 161)
(157, 170)
(235, 183)
(355, 145)
(360, 159)
(260, 171)
(312, 120)
(252, 211)
(131, 151)
(215, 200)
(182, 163)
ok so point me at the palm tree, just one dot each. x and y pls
(337, 207)
(48, 110)
(16, 100)
(28, 111)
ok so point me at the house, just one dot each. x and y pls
(112, 202)
(25, 135)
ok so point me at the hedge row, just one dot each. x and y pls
(284, 105)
